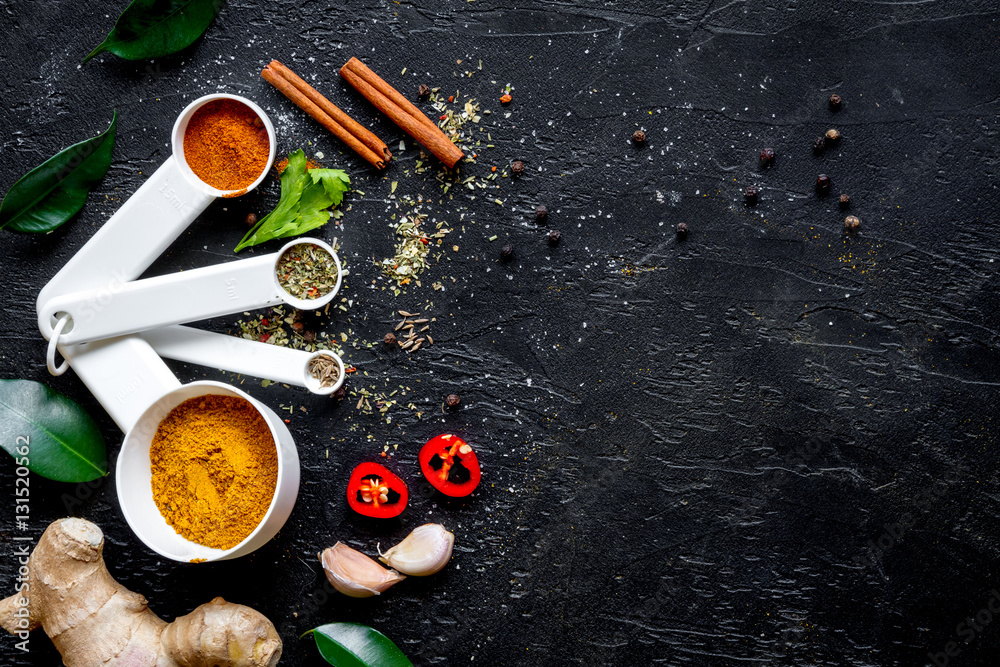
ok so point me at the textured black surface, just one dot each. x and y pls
(691, 450)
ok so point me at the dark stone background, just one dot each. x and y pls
(692, 450)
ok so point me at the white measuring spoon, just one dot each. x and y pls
(163, 207)
(127, 376)
(186, 296)
(240, 355)
(138, 390)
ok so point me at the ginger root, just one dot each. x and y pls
(95, 621)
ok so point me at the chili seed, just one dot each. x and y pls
(766, 157)
(453, 400)
(682, 230)
(554, 237)
(819, 143)
(833, 136)
(835, 102)
(517, 167)
(541, 213)
(845, 201)
(423, 91)
(823, 183)
(506, 252)
(750, 195)
(639, 137)
(389, 339)
(251, 219)
(852, 222)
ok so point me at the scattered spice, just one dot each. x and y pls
(277, 328)
(517, 167)
(506, 252)
(750, 195)
(251, 220)
(835, 102)
(505, 98)
(541, 213)
(682, 230)
(639, 137)
(554, 237)
(852, 222)
(823, 183)
(306, 271)
(453, 400)
(223, 147)
(423, 91)
(766, 157)
(325, 369)
(833, 135)
(819, 143)
(410, 258)
(214, 468)
(389, 338)
(413, 340)
(845, 200)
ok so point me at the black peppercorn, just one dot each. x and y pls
(823, 183)
(819, 143)
(506, 252)
(309, 336)
(639, 137)
(340, 394)
(453, 400)
(517, 167)
(423, 91)
(835, 101)
(554, 237)
(251, 219)
(541, 213)
(833, 136)
(682, 230)
(750, 195)
(845, 201)
(389, 338)
(852, 222)
(766, 157)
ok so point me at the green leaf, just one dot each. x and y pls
(335, 181)
(154, 28)
(305, 197)
(63, 442)
(53, 192)
(356, 645)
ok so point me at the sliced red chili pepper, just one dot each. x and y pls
(374, 491)
(450, 465)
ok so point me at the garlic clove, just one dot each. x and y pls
(355, 574)
(424, 551)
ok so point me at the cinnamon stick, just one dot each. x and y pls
(345, 128)
(401, 111)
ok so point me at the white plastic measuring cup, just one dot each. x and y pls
(186, 296)
(158, 392)
(163, 207)
(240, 355)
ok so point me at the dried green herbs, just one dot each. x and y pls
(410, 258)
(306, 271)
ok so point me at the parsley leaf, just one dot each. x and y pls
(306, 196)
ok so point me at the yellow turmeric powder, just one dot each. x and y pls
(215, 466)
